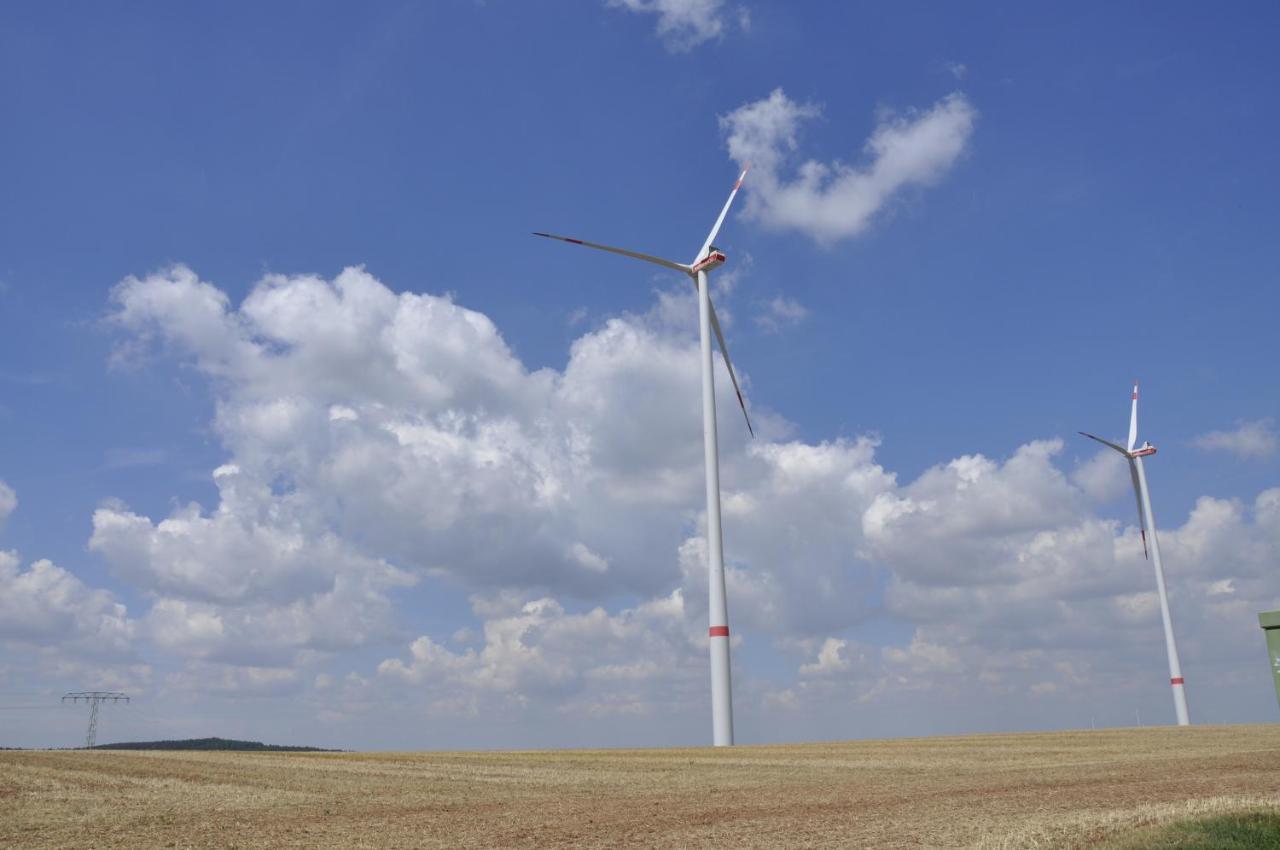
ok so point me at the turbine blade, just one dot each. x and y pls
(1137, 494)
(1133, 419)
(1104, 442)
(724, 350)
(719, 221)
(648, 258)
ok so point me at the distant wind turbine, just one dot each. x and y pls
(709, 257)
(1147, 520)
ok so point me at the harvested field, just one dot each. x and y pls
(1025, 790)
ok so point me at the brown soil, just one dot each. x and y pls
(1032, 790)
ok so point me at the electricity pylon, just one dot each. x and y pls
(94, 698)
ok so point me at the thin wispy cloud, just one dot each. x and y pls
(685, 24)
(1251, 440)
(8, 502)
(29, 379)
(831, 201)
(130, 458)
(781, 312)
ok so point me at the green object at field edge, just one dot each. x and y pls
(1245, 831)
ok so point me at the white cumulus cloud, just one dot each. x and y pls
(1103, 476)
(836, 200)
(46, 606)
(375, 438)
(404, 422)
(635, 661)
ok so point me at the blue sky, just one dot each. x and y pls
(1107, 213)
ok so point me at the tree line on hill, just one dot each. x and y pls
(211, 744)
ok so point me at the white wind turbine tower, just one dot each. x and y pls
(1147, 520)
(709, 257)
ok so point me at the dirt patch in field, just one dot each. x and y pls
(993, 791)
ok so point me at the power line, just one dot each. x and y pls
(94, 698)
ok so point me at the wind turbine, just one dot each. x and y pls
(708, 258)
(1146, 520)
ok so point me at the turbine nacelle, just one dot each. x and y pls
(1142, 451)
(714, 260)
(709, 257)
(1132, 454)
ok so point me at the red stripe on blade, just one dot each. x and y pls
(574, 241)
(719, 631)
(1177, 681)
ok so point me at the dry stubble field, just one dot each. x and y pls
(1030, 790)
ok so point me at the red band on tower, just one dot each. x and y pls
(719, 631)
(1177, 681)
